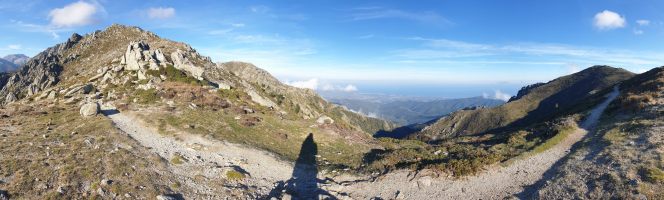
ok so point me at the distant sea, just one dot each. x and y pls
(429, 91)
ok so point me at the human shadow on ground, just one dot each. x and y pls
(303, 183)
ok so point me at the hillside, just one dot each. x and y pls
(7, 66)
(17, 59)
(533, 104)
(622, 159)
(404, 112)
(166, 88)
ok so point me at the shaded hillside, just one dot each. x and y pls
(535, 105)
(406, 112)
(7, 66)
(623, 158)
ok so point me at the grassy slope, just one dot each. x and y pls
(542, 103)
(623, 159)
(74, 153)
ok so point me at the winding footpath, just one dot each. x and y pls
(206, 157)
(495, 183)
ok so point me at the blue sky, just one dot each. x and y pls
(369, 45)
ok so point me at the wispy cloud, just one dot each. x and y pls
(367, 36)
(37, 28)
(643, 22)
(14, 46)
(346, 88)
(259, 9)
(161, 13)
(374, 13)
(433, 49)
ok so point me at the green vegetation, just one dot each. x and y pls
(563, 132)
(233, 175)
(466, 155)
(146, 96)
(173, 74)
(653, 174)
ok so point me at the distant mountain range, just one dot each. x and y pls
(410, 111)
(12, 62)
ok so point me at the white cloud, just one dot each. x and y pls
(237, 25)
(14, 47)
(76, 14)
(309, 84)
(643, 22)
(607, 20)
(638, 32)
(161, 13)
(347, 88)
(350, 88)
(497, 95)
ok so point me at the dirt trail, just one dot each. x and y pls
(206, 157)
(496, 183)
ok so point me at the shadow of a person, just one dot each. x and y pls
(304, 181)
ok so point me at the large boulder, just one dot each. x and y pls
(181, 61)
(89, 109)
(324, 120)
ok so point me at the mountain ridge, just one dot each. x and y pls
(535, 104)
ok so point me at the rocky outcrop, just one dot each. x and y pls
(524, 91)
(140, 58)
(181, 61)
(37, 74)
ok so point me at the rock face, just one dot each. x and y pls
(37, 74)
(134, 57)
(138, 57)
(524, 91)
(89, 109)
(182, 62)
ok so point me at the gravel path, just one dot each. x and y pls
(206, 157)
(496, 183)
